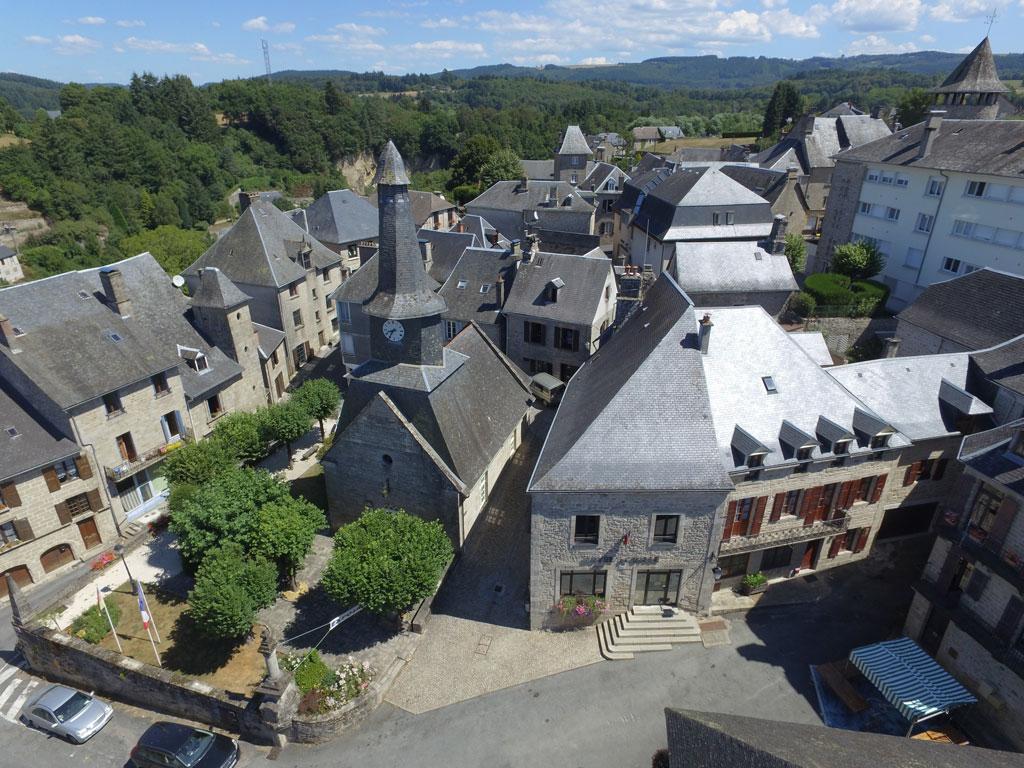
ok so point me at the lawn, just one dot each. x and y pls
(232, 667)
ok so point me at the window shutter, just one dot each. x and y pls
(83, 466)
(977, 584)
(50, 475)
(940, 469)
(95, 503)
(63, 513)
(730, 517)
(755, 524)
(1001, 525)
(833, 549)
(23, 529)
(862, 540)
(10, 494)
(945, 578)
(811, 502)
(846, 494)
(876, 494)
(777, 505)
(1010, 619)
(827, 501)
(913, 472)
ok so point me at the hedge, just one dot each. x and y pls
(838, 296)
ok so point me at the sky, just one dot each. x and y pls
(108, 40)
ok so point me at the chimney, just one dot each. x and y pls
(7, 333)
(704, 333)
(427, 251)
(551, 196)
(876, 112)
(809, 126)
(778, 235)
(460, 227)
(524, 184)
(499, 287)
(246, 199)
(791, 172)
(115, 291)
(890, 346)
(931, 132)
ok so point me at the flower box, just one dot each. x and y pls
(753, 584)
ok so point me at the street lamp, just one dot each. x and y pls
(119, 550)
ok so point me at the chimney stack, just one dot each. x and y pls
(246, 199)
(876, 112)
(7, 333)
(890, 346)
(791, 172)
(115, 291)
(931, 131)
(524, 184)
(499, 288)
(778, 235)
(705, 333)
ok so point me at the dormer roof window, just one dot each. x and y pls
(194, 359)
(841, 447)
(881, 440)
(748, 450)
(553, 288)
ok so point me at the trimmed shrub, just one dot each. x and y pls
(312, 673)
(228, 591)
(803, 304)
(92, 625)
(838, 296)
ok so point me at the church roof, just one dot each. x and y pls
(390, 167)
(975, 74)
(217, 290)
(574, 142)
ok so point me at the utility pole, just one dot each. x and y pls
(266, 57)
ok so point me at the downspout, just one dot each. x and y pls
(938, 209)
(99, 468)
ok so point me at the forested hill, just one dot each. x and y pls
(27, 94)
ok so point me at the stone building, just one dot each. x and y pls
(973, 91)
(997, 376)
(431, 211)
(289, 275)
(121, 361)
(515, 208)
(967, 609)
(344, 222)
(53, 511)
(10, 267)
(558, 311)
(426, 426)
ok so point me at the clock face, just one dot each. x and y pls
(393, 331)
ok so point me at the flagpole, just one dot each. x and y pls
(110, 621)
(151, 619)
(155, 652)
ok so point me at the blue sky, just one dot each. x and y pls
(107, 40)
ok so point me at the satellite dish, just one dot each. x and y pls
(177, 281)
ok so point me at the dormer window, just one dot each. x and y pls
(755, 460)
(553, 288)
(462, 284)
(485, 288)
(194, 359)
(769, 385)
(841, 447)
(880, 441)
(804, 454)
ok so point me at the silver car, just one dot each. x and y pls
(67, 713)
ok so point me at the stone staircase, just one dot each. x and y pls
(645, 628)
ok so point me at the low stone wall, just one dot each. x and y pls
(68, 659)
(420, 615)
(314, 729)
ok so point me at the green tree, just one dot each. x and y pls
(174, 248)
(914, 106)
(785, 104)
(284, 533)
(468, 165)
(287, 422)
(858, 261)
(796, 252)
(242, 434)
(385, 561)
(197, 463)
(320, 399)
(229, 589)
(501, 166)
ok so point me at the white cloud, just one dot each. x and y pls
(92, 21)
(926, 39)
(788, 24)
(538, 61)
(446, 49)
(195, 51)
(129, 23)
(871, 44)
(877, 15)
(595, 61)
(74, 45)
(442, 23)
(743, 25)
(262, 24)
(358, 29)
(36, 40)
(962, 10)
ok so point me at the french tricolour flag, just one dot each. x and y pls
(142, 610)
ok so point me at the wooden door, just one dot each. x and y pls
(89, 532)
(21, 575)
(279, 384)
(810, 554)
(126, 446)
(55, 557)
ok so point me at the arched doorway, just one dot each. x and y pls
(21, 575)
(55, 557)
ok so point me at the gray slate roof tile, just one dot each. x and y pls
(578, 302)
(37, 442)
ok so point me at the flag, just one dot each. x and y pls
(142, 610)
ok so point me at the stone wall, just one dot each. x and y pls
(841, 333)
(915, 340)
(840, 210)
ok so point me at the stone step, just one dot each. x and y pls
(625, 628)
(658, 621)
(657, 610)
(605, 644)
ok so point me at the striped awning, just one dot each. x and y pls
(910, 679)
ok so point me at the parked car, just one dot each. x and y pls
(67, 713)
(182, 746)
(546, 388)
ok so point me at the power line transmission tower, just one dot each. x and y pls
(266, 57)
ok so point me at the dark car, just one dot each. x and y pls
(181, 746)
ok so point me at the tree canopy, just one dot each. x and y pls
(230, 588)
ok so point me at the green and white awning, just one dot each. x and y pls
(910, 679)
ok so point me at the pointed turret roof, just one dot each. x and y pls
(217, 290)
(976, 74)
(574, 142)
(404, 289)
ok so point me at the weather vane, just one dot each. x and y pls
(991, 19)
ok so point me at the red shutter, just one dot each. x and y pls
(826, 502)
(9, 492)
(876, 494)
(940, 469)
(777, 505)
(755, 524)
(809, 506)
(862, 540)
(833, 549)
(913, 472)
(52, 483)
(846, 492)
(95, 503)
(730, 517)
(83, 467)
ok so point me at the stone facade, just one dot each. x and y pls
(840, 211)
(626, 548)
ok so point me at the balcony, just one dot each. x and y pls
(147, 459)
(783, 536)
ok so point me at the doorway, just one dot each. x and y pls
(55, 557)
(89, 532)
(810, 554)
(933, 632)
(657, 587)
(21, 575)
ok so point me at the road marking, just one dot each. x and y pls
(10, 690)
(15, 710)
(11, 670)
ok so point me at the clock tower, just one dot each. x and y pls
(404, 311)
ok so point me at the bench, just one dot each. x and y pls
(837, 682)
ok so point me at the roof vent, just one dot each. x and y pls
(12, 432)
(83, 294)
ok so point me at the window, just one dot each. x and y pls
(841, 447)
(865, 208)
(924, 222)
(1009, 238)
(902, 180)
(582, 583)
(304, 258)
(892, 214)
(950, 264)
(755, 460)
(316, 315)
(983, 513)
(573, 179)
(534, 333)
(914, 258)
(293, 290)
(963, 228)
(567, 338)
(327, 275)
(726, 217)
(452, 328)
(8, 533)
(976, 189)
(461, 285)
(935, 187)
(864, 486)
(804, 454)
(345, 312)
(850, 539)
(78, 505)
(873, 175)
(666, 529)
(485, 288)
(297, 318)
(66, 470)
(534, 367)
(777, 557)
(195, 360)
(273, 357)
(769, 385)
(112, 404)
(791, 502)
(887, 177)
(586, 529)
(214, 404)
(880, 440)
(733, 565)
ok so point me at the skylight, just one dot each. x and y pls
(12, 431)
(462, 284)
(485, 288)
(769, 384)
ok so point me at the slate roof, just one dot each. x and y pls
(763, 182)
(80, 348)
(855, 130)
(975, 74)
(636, 415)
(912, 393)
(989, 454)
(424, 205)
(339, 217)
(646, 133)
(482, 229)
(580, 298)
(994, 147)
(262, 248)
(813, 343)
(542, 170)
(730, 267)
(814, 141)
(465, 411)
(598, 175)
(553, 240)
(574, 142)
(268, 339)
(670, 132)
(842, 108)
(216, 290)
(478, 269)
(6, 253)
(360, 284)
(1003, 364)
(711, 740)
(977, 310)
(446, 248)
(509, 196)
(37, 443)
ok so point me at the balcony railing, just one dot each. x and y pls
(147, 459)
(777, 537)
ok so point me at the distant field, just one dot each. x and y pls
(9, 140)
(700, 141)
